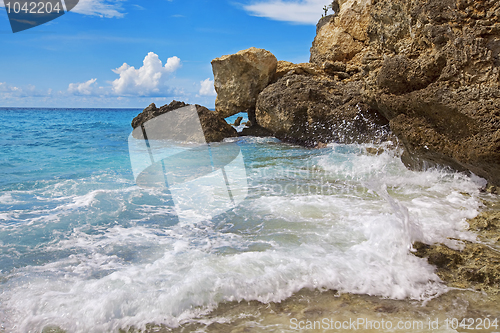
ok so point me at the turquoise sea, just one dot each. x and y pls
(83, 248)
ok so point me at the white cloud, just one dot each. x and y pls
(8, 91)
(301, 11)
(102, 8)
(207, 88)
(5, 88)
(147, 80)
(85, 88)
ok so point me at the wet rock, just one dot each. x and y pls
(306, 109)
(214, 127)
(240, 77)
(492, 189)
(255, 130)
(486, 222)
(431, 68)
(374, 151)
(237, 122)
(477, 266)
(321, 145)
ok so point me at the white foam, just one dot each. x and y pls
(7, 199)
(356, 238)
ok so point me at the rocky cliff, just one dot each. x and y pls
(428, 68)
(437, 80)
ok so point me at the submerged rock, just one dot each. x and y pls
(240, 77)
(214, 127)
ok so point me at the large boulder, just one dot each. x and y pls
(438, 82)
(432, 68)
(309, 109)
(215, 128)
(240, 77)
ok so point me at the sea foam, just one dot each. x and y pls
(101, 257)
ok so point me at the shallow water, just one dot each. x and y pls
(330, 311)
(83, 248)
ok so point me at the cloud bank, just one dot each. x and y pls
(9, 91)
(152, 81)
(299, 12)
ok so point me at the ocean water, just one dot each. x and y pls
(82, 247)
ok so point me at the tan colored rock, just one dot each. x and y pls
(477, 265)
(334, 44)
(355, 18)
(438, 81)
(286, 67)
(343, 35)
(309, 110)
(430, 67)
(240, 77)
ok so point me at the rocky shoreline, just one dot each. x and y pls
(472, 276)
(426, 72)
(477, 265)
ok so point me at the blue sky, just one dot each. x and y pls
(129, 53)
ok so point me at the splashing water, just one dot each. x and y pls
(83, 248)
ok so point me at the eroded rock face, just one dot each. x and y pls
(340, 37)
(308, 110)
(286, 67)
(438, 82)
(240, 77)
(431, 67)
(477, 266)
(215, 128)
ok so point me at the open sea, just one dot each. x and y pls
(85, 249)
